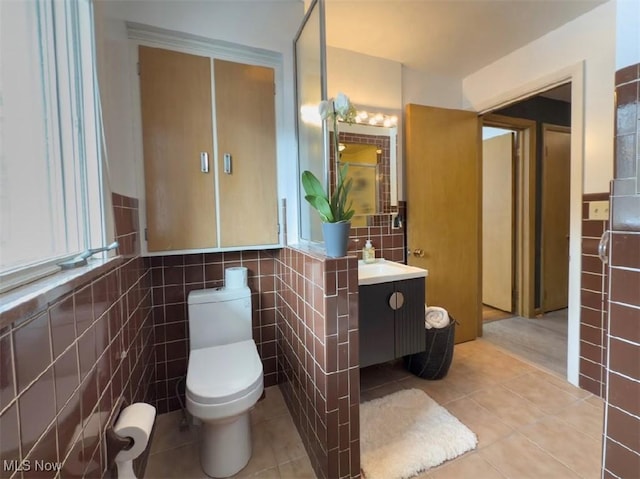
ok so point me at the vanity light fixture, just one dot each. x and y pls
(309, 115)
(376, 119)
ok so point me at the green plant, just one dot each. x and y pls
(334, 209)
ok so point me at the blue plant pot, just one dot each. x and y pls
(336, 238)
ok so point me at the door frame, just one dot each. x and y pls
(575, 74)
(525, 178)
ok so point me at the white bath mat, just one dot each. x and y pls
(407, 432)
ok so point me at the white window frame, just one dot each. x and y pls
(73, 126)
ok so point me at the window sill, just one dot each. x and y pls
(30, 299)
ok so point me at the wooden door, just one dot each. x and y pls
(175, 94)
(246, 130)
(556, 180)
(498, 221)
(443, 171)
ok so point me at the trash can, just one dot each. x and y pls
(435, 361)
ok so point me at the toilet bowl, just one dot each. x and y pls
(224, 376)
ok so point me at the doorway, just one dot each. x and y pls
(528, 189)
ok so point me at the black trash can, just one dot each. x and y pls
(435, 361)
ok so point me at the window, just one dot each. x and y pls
(50, 169)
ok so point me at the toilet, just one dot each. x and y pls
(224, 376)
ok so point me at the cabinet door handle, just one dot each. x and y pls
(204, 162)
(227, 163)
(396, 300)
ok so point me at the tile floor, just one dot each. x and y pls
(530, 423)
(541, 340)
(278, 451)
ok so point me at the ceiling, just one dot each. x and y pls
(445, 37)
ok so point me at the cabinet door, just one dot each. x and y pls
(246, 131)
(409, 323)
(175, 94)
(377, 325)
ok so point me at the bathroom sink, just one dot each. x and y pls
(383, 271)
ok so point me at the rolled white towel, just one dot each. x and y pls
(435, 317)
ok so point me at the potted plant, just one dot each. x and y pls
(334, 209)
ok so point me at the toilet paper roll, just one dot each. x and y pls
(135, 422)
(235, 277)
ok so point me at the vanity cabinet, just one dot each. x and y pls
(391, 320)
(209, 146)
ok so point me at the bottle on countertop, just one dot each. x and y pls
(368, 252)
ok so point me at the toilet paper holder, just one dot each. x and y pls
(116, 443)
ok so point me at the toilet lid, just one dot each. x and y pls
(220, 374)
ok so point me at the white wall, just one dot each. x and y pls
(425, 89)
(589, 38)
(366, 80)
(269, 25)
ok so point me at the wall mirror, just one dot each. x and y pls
(375, 191)
(371, 152)
(310, 90)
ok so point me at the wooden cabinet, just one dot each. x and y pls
(209, 143)
(391, 320)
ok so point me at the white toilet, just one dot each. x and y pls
(224, 377)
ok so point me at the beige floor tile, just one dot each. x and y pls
(499, 372)
(487, 426)
(282, 435)
(272, 473)
(377, 375)
(440, 391)
(470, 465)
(518, 458)
(182, 462)
(512, 409)
(464, 381)
(380, 391)
(579, 452)
(596, 402)
(563, 384)
(262, 455)
(544, 394)
(271, 406)
(299, 469)
(584, 417)
(168, 434)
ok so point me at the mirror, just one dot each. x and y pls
(310, 90)
(370, 152)
(382, 88)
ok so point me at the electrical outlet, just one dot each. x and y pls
(599, 210)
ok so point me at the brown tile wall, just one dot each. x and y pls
(64, 365)
(318, 356)
(593, 302)
(622, 421)
(172, 278)
(388, 241)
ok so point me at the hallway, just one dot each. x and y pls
(542, 341)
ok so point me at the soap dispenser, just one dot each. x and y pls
(368, 252)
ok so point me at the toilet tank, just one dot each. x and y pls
(219, 316)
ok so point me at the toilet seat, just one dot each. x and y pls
(221, 374)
